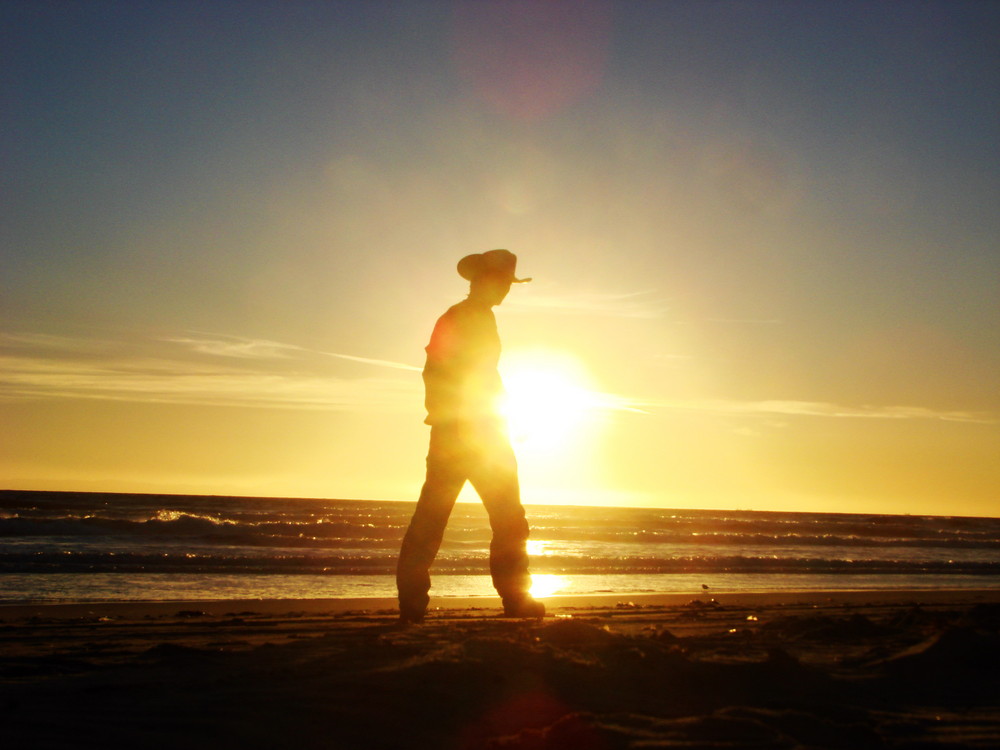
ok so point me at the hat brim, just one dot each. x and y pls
(495, 263)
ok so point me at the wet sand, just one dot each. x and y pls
(916, 669)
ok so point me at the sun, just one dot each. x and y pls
(548, 397)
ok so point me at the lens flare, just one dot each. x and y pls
(547, 398)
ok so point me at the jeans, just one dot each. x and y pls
(478, 452)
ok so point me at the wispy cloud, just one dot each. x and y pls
(376, 362)
(196, 369)
(219, 345)
(230, 346)
(199, 368)
(643, 304)
(44, 343)
(810, 409)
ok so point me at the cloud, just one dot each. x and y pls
(621, 305)
(230, 346)
(219, 345)
(812, 409)
(44, 343)
(196, 369)
(376, 362)
(222, 370)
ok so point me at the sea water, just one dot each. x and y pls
(118, 547)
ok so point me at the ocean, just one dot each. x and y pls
(68, 546)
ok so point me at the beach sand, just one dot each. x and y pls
(904, 669)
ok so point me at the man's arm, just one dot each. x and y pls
(460, 374)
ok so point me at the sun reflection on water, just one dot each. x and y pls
(539, 547)
(547, 584)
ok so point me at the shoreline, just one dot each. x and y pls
(220, 607)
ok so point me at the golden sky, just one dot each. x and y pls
(764, 238)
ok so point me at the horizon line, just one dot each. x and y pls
(4, 491)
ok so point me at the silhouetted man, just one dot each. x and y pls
(469, 442)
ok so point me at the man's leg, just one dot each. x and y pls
(444, 481)
(495, 479)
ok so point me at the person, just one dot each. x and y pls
(468, 442)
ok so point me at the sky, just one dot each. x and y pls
(764, 237)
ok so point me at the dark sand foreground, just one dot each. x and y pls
(864, 670)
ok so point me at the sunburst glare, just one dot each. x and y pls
(548, 397)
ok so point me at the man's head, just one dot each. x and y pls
(490, 274)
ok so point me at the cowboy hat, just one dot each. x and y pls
(491, 263)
